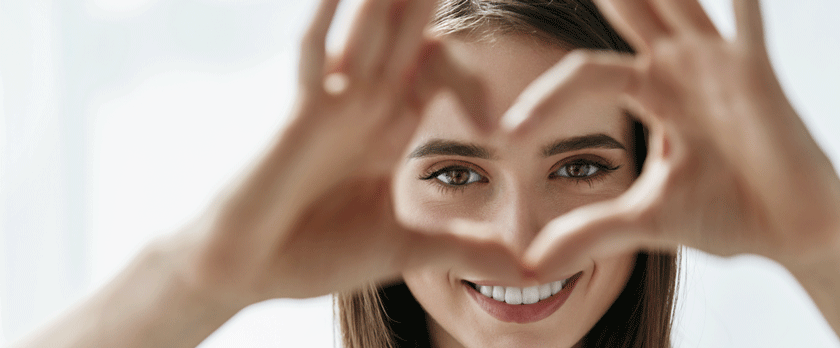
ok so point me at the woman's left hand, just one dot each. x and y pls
(731, 168)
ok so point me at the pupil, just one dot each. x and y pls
(458, 177)
(577, 169)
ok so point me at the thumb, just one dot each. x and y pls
(592, 231)
(469, 246)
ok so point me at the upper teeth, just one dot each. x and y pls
(513, 295)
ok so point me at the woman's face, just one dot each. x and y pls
(579, 156)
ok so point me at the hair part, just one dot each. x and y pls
(642, 315)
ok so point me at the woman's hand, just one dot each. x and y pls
(731, 168)
(315, 215)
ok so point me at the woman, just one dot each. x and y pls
(524, 175)
(519, 41)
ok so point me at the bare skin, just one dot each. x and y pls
(731, 170)
(518, 188)
(314, 215)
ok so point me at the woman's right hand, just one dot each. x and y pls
(314, 215)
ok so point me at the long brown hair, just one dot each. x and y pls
(641, 316)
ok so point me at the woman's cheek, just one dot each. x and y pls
(561, 197)
(424, 205)
(564, 199)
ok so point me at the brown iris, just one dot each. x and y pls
(457, 176)
(577, 170)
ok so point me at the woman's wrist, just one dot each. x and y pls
(149, 304)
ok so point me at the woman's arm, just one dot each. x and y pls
(151, 303)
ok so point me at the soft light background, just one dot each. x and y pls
(121, 119)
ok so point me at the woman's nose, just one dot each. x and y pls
(518, 218)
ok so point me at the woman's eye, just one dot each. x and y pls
(457, 176)
(578, 170)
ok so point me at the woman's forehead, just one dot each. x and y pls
(507, 66)
(506, 63)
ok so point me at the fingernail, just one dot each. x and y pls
(511, 119)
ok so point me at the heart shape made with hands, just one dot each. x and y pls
(728, 159)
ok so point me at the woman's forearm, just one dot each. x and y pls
(149, 304)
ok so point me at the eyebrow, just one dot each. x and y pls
(439, 147)
(590, 141)
(450, 148)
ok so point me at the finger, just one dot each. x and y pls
(313, 50)
(602, 229)
(635, 20)
(439, 70)
(368, 38)
(391, 139)
(749, 23)
(660, 134)
(412, 16)
(578, 75)
(586, 232)
(469, 246)
(591, 232)
(685, 15)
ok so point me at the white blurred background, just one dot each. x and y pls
(120, 119)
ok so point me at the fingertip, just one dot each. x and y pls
(480, 115)
(531, 261)
(473, 97)
(509, 122)
(483, 125)
(441, 71)
(542, 247)
(512, 122)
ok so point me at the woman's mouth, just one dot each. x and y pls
(522, 305)
(514, 295)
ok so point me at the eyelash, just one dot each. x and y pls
(432, 174)
(603, 167)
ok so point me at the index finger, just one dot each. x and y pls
(439, 70)
(635, 20)
(313, 50)
(578, 75)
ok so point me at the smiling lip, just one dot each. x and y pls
(523, 313)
